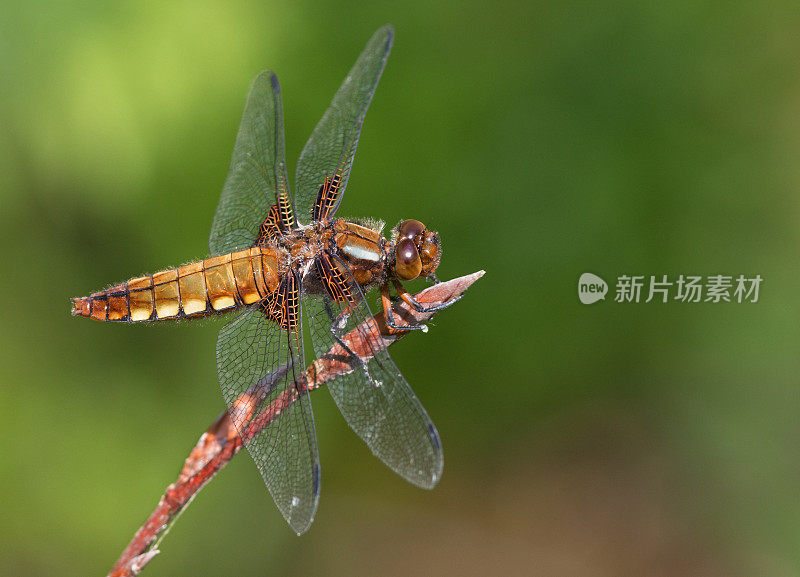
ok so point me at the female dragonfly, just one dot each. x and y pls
(276, 256)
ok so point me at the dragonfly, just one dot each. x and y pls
(278, 257)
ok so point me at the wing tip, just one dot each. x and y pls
(300, 530)
(262, 77)
(273, 79)
(430, 481)
(303, 524)
(388, 30)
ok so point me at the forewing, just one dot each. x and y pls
(257, 176)
(329, 152)
(261, 371)
(377, 403)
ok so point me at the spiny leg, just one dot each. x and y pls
(418, 306)
(388, 315)
(412, 302)
(338, 324)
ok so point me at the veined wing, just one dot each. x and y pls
(257, 176)
(374, 398)
(261, 370)
(324, 165)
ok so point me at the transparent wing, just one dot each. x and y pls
(259, 366)
(257, 176)
(377, 402)
(324, 165)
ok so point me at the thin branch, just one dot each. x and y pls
(220, 443)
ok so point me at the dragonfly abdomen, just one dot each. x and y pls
(198, 289)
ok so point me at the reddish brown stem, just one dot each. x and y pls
(220, 443)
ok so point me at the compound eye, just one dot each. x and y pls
(407, 262)
(411, 228)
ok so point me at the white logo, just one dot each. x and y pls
(591, 288)
(684, 288)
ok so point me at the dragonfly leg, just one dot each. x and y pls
(388, 315)
(338, 324)
(419, 307)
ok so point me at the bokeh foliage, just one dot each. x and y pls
(542, 140)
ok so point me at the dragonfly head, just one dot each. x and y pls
(417, 250)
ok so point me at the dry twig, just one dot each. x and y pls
(220, 443)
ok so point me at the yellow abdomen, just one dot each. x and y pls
(198, 289)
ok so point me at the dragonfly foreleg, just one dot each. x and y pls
(338, 325)
(388, 315)
(418, 306)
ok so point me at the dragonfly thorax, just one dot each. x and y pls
(362, 249)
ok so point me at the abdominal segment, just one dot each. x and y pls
(202, 288)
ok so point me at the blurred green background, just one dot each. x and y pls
(542, 140)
